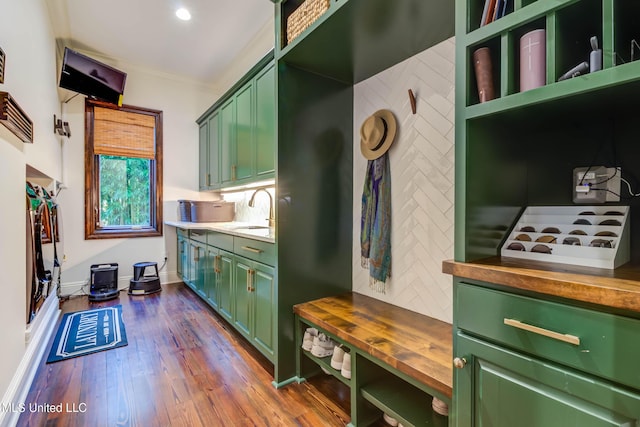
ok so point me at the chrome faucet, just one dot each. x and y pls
(252, 202)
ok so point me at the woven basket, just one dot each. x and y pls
(305, 15)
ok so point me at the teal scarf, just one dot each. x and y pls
(375, 225)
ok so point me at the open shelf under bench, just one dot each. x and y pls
(398, 356)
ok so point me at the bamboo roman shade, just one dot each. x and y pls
(123, 133)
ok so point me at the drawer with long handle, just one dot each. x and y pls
(603, 344)
(255, 249)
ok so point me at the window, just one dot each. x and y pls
(123, 171)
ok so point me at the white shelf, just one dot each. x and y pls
(592, 236)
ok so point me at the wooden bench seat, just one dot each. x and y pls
(411, 343)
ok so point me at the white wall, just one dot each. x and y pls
(182, 102)
(422, 177)
(30, 77)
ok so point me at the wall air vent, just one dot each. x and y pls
(14, 119)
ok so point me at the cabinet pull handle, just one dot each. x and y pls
(216, 265)
(251, 278)
(571, 339)
(233, 172)
(254, 250)
(208, 179)
(459, 362)
(249, 285)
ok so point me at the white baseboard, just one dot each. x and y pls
(36, 338)
(82, 288)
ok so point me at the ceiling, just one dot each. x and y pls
(146, 33)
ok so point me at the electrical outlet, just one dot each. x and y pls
(596, 184)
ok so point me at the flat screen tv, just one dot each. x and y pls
(85, 75)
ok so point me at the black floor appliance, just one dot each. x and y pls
(104, 282)
(143, 284)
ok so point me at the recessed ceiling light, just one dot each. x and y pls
(183, 14)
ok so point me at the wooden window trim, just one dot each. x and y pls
(92, 180)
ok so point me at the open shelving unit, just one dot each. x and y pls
(518, 149)
(315, 73)
(355, 39)
(377, 390)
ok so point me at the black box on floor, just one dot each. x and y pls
(104, 282)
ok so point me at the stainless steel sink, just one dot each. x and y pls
(251, 227)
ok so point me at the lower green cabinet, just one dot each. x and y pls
(501, 388)
(530, 362)
(241, 290)
(254, 296)
(211, 276)
(183, 254)
(225, 284)
(198, 254)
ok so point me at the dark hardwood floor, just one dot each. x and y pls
(183, 366)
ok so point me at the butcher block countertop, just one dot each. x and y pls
(414, 344)
(617, 289)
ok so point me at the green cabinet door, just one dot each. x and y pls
(243, 295)
(182, 263)
(264, 292)
(244, 134)
(225, 284)
(191, 264)
(211, 276)
(265, 123)
(203, 155)
(213, 152)
(199, 252)
(501, 388)
(227, 142)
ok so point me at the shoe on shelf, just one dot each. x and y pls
(346, 366)
(309, 335)
(440, 407)
(389, 420)
(337, 358)
(322, 346)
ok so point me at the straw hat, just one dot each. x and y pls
(377, 133)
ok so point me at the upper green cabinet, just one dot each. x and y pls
(209, 147)
(227, 139)
(238, 133)
(265, 124)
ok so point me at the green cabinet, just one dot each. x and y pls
(227, 138)
(211, 276)
(182, 262)
(225, 284)
(264, 131)
(244, 143)
(208, 153)
(230, 274)
(203, 156)
(502, 388)
(254, 296)
(524, 359)
(537, 363)
(237, 134)
(197, 262)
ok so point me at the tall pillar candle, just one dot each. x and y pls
(533, 62)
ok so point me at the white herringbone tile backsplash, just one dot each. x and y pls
(422, 179)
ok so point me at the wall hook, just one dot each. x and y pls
(412, 100)
(60, 127)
